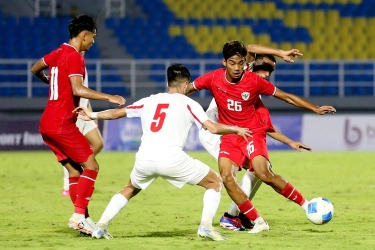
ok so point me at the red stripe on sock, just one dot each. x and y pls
(292, 194)
(248, 209)
(86, 187)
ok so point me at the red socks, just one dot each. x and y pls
(248, 209)
(85, 188)
(73, 184)
(292, 194)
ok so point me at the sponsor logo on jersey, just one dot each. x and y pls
(224, 152)
(245, 95)
(222, 90)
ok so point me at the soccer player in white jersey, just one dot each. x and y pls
(166, 119)
(92, 133)
(263, 65)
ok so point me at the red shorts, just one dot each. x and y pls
(73, 146)
(237, 149)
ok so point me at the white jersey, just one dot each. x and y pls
(85, 126)
(83, 101)
(166, 120)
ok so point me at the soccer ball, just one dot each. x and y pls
(319, 211)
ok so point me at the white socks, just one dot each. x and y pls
(211, 201)
(304, 205)
(117, 203)
(66, 179)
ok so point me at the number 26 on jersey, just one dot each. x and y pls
(234, 105)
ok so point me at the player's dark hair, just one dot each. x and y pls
(261, 64)
(234, 48)
(81, 23)
(177, 74)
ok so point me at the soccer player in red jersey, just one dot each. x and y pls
(58, 122)
(263, 65)
(236, 92)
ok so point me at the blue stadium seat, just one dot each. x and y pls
(221, 21)
(111, 23)
(207, 21)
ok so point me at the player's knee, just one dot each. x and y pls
(91, 164)
(227, 178)
(266, 177)
(98, 147)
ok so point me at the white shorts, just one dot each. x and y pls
(178, 171)
(211, 142)
(85, 126)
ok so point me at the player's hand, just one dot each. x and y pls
(287, 55)
(244, 132)
(322, 110)
(119, 100)
(83, 113)
(299, 146)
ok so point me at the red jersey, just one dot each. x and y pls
(237, 101)
(263, 116)
(63, 63)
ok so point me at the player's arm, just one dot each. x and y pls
(303, 103)
(277, 135)
(221, 129)
(286, 55)
(38, 70)
(80, 90)
(109, 114)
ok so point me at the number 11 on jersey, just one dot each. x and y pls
(54, 94)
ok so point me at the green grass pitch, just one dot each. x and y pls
(34, 215)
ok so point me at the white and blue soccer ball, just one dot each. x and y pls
(319, 211)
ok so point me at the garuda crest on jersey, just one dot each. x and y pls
(245, 95)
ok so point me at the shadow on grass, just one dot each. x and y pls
(160, 234)
(318, 231)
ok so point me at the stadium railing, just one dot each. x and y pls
(139, 77)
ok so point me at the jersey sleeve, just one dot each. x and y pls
(135, 110)
(265, 87)
(76, 65)
(197, 113)
(50, 58)
(204, 82)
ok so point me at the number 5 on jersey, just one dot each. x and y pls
(159, 117)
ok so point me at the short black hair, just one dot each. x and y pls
(81, 23)
(234, 48)
(177, 74)
(261, 64)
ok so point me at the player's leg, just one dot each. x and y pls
(116, 204)
(74, 171)
(90, 130)
(250, 184)
(76, 146)
(232, 153)
(227, 170)
(93, 135)
(70, 149)
(140, 178)
(211, 200)
(263, 170)
(191, 171)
